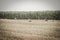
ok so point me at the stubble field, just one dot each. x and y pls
(25, 30)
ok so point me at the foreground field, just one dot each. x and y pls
(25, 30)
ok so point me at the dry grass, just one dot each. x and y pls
(25, 30)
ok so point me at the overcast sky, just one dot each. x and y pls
(29, 5)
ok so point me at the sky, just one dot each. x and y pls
(29, 5)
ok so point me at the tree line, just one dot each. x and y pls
(50, 15)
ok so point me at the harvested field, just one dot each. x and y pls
(25, 30)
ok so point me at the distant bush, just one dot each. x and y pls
(51, 15)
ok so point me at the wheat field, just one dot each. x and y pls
(25, 30)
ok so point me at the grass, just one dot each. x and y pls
(25, 30)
